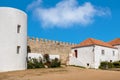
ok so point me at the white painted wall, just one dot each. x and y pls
(92, 55)
(85, 56)
(106, 57)
(118, 46)
(35, 55)
(38, 55)
(52, 56)
(10, 39)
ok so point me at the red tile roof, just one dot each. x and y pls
(91, 41)
(115, 42)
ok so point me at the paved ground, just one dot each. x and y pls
(66, 73)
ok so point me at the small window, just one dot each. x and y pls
(113, 53)
(76, 54)
(88, 64)
(18, 28)
(18, 49)
(103, 52)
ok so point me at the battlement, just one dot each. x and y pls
(39, 40)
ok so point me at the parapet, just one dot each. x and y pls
(36, 40)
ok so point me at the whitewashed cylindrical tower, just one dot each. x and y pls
(13, 39)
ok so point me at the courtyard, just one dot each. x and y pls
(63, 73)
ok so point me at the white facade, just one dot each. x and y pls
(38, 55)
(13, 39)
(34, 55)
(110, 55)
(118, 46)
(84, 56)
(91, 56)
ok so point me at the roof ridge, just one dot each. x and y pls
(114, 42)
(91, 39)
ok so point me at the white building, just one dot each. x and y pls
(13, 39)
(116, 43)
(91, 52)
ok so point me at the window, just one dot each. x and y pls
(18, 28)
(103, 52)
(113, 53)
(88, 64)
(18, 49)
(76, 54)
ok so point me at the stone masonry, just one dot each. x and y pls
(45, 46)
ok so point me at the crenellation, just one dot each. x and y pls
(29, 39)
(53, 42)
(63, 43)
(37, 39)
(49, 41)
(33, 39)
(72, 44)
(56, 41)
(66, 43)
(46, 40)
(41, 40)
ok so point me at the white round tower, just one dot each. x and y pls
(13, 39)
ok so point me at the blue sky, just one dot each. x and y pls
(70, 20)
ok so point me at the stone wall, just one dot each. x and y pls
(45, 46)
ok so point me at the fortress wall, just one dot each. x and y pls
(45, 46)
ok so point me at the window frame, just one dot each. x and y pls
(76, 53)
(18, 49)
(113, 53)
(18, 28)
(103, 52)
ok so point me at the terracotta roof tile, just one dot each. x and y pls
(115, 41)
(91, 41)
